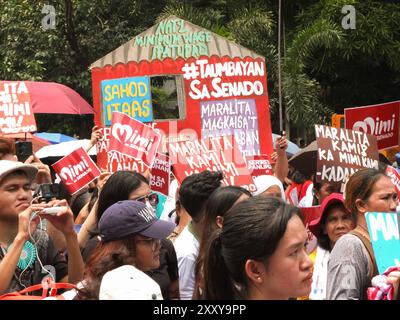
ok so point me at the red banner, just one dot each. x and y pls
(134, 139)
(395, 177)
(160, 174)
(16, 113)
(380, 120)
(112, 161)
(259, 165)
(76, 170)
(214, 154)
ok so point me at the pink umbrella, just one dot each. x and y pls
(51, 97)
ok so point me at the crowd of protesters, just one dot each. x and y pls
(217, 242)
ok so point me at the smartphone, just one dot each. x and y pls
(23, 150)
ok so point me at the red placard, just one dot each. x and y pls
(112, 161)
(259, 165)
(76, 170)
(380, 120)
(160, 173)
(214, 154)
(395, 177)
(133, 138)
(16, 113)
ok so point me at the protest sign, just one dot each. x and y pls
(134, 139)
(259, 165)
(160, 174)
(131, 96)
(380, 120)
(236, 117)
(76, 170)
(395, 177)
(214, 154)
(112, 161)
(383, 229)
(341, 152)
(16, 113)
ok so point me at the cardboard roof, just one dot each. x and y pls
(127, 52)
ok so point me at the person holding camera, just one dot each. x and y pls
(27, 254)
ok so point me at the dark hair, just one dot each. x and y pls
(219, 202)
(323, 239)
(252, 229)
(106, 256)
(78, 201)
(195, 191)
(117, 188)
(6, 147)
(360, 186)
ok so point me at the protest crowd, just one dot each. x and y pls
(213, 242)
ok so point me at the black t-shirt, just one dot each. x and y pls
(164, 275)
(51, 258)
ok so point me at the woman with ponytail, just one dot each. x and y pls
(259, 253)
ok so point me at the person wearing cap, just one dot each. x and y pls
(128, 185)
(335, 221)
(130, 234)
(24, 248)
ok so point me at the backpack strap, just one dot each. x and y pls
(367, 244)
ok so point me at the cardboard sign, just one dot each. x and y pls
(16, 113)
(259, 165)
(131, 96)
(214, 154)
(236, 117)
(76, 170)
(160, 174)
(133, 138)
(384, 232)
(380, 120)
(342, 152)
(395, 177)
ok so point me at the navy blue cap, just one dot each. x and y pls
(130, 217)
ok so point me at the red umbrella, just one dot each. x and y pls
(51, 97)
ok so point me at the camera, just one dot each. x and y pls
(23, 150)
(46, 192)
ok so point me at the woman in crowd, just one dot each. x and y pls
(259, 253)
(352, 262)
(334, 222)
(130, 235)
(220, 201)
(127, 185)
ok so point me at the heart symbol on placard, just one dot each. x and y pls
(121, 132)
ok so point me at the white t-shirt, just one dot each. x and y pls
(187, 250)
(320, 273)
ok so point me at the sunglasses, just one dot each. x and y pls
(152, 198)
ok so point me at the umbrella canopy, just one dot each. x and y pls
(305, 161)
(51, 97)
(64, 148)
(292, 147)
(37, 143)
(54, 137)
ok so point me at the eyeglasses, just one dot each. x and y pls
(152, 198)
(154, 243)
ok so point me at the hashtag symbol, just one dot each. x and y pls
(190, 71)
